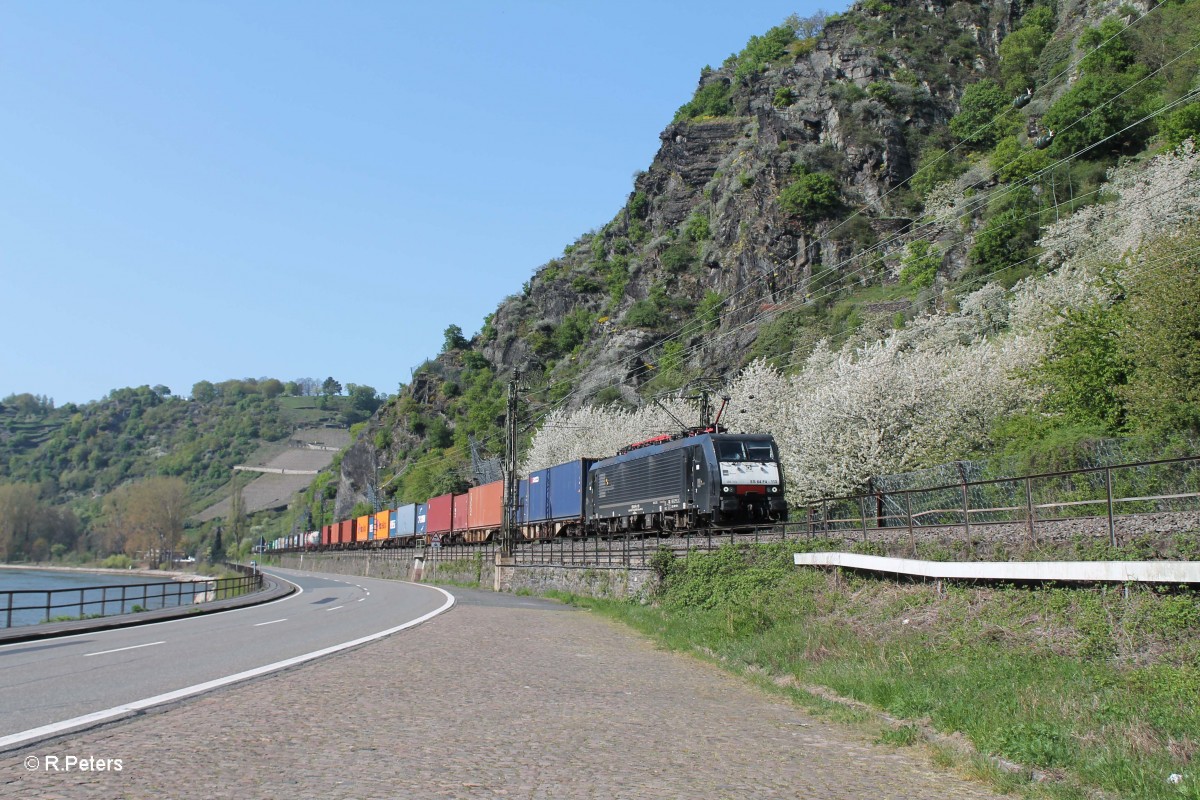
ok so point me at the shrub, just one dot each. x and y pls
(981, 103)
(1011, 162)
(710, 100)
(679, 256)
(696, 228)
(1181, 124)
(813, 196)
(784, 97)
(882, 91)
(760, 51)
(709, 310)
(644, 314)
(920, 264)
(935, 166)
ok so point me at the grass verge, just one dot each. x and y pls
(1097, 689)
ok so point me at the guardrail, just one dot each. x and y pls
(102, 601)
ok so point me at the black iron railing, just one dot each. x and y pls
(32, 606)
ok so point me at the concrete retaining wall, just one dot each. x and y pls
(618, 583)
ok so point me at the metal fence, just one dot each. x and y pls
(33, 606)
(1094, 500)
(991, 519)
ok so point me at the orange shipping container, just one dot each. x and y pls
(487, 506)
(361, 527)
(462, 512)
(381, 524)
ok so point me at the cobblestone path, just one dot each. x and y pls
(502, 697)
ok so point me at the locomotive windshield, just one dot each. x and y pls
(745, 451)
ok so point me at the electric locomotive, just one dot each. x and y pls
(700, 478)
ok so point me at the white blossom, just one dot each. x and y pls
(1143, 201)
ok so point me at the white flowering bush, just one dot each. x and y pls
(1157, 198)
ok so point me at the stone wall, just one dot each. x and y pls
(478, 570)
(616, 583)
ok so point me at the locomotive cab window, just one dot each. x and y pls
(745, 451)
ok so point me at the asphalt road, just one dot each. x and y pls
(51, 686)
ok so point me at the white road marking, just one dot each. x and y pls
(272, 622)
(119, 649)
(360, 599)
(335, 608)
(7, 742)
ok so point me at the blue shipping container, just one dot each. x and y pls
(422, 513)
(522, 501)
(557, 493)
(405, 519)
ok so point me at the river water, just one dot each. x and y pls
(29, 588)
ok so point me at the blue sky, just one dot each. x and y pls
(213, 190)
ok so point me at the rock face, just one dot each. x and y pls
(704, 253)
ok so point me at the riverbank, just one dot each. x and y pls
(146, 573)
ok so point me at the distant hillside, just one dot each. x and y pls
(76, 456)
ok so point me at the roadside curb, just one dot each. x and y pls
(273, 589)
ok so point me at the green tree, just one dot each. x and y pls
(1161, 337)
(1005, 243)
(1180, 125)
(204, 392)
(696, 227)
(1098, 108)
(760, 51)
(709, 310)
(363, 398)
(1021, 49)
(976, 123)
(453, 339)
(216, 550)
(1109, 98)
(936, 166)
(1084, 368)
(18, 518)
(1012, 162)
(331, 387)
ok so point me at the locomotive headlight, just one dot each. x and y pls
(773, 490)
(726, 489)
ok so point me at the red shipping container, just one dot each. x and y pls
(346, 531)
(440, 516)
(462, 512)
(326, 534)
(487, 506)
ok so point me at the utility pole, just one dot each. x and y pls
(508, 532)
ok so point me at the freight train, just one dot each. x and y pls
(700, 478)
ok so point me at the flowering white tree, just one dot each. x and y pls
(1146, 201)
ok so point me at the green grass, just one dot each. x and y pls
(1091, 686)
